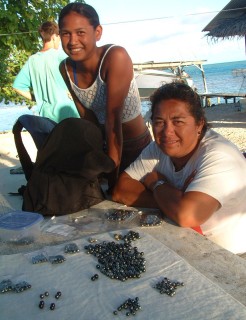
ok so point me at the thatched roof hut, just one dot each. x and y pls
(230, 22)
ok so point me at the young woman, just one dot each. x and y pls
(101, 81)
(191, 173)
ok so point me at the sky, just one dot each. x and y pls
(171, 30)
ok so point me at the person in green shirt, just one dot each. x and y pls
(40, 80)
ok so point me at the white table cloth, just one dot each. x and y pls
(94, 300)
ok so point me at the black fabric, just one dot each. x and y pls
(65, 176)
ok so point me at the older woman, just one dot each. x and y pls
(191, 173)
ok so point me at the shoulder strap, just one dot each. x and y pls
(113, 45)
(74, 73)
(74, 66)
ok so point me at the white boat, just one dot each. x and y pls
(151, 75)
(149, 80)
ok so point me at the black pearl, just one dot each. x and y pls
(52, 306)
(46, 293)
(41, 304)
(95, 277)
(41, 296)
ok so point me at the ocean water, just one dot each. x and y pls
(220, 77)
(10, 113)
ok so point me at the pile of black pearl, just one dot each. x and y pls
(71, 248)
(119, 261)
(57, 259)
(40, 258)
(168, 287)
(131, 306)
(120, 215)
(150, 220)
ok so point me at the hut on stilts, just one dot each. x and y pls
(230, 23)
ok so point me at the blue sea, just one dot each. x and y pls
(220, 77)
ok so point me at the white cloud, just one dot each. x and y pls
(172, 39)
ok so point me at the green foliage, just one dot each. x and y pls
(8, 70)
(19, 22)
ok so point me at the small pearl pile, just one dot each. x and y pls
(71, 248)
(121, 215)
(167, 286)
(131, 306)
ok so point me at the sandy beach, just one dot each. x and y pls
(229, 121)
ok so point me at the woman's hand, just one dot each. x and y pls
(151, 178)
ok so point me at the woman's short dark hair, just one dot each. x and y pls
(83, 9)
(183, 92)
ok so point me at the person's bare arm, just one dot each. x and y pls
(133, 193)
(118, 73)
(189, 209)
(26, 94)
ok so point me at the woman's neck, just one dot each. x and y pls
(179, 163)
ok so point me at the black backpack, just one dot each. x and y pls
(65, 176)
